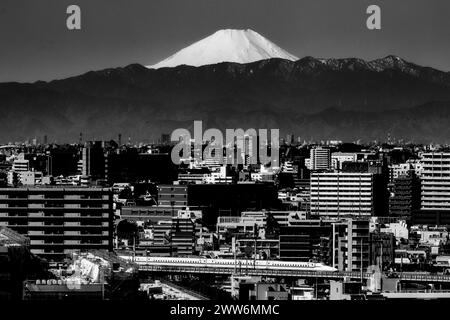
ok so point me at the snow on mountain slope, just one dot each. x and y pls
(229, 45)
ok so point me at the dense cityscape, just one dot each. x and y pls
(207, 159)
(100, 220)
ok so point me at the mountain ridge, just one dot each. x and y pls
(294, 96)
(336, 64)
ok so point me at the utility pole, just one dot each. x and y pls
(316, 289)
(254, 243)
(102, 279)
(381, 260)
(361, 262)
(134, 247)
(234, 252)
(333, 245)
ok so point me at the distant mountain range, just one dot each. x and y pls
(345, 99)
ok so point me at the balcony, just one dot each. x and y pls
(72, 224)
(35, 242)
(35, 205)
(35, 214)
(71, 215)
(72, 233)
(72, 206)
(35, 223)
(35, 233)
(72, 242)
(72, 197)
(36, 196)
(37, 251)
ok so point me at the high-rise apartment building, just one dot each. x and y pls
(93, 160)
(183, 235)
(59, 220)
(404, 195)
(435, 181)
(342, 194)
(351, 244)
(320, 158)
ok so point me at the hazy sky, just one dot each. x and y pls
(36, 45)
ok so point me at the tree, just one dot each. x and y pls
(126, 193)
(127, 230)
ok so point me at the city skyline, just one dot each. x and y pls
(234, 151)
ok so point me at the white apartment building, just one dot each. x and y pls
(435, 181)
(288, 167)
(30, 178)
(264, 174)
(245, 223)
(218, 177)
(20, 164)
(189, 214)
(398, 229)
(402, 169)
(320, 159)
(341, 194)
(338, 158)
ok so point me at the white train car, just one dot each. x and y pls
(230, 263)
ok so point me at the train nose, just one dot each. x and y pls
(331, 269)
(328, 268)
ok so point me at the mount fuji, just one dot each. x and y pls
(228, 45)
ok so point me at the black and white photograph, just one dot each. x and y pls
(256, 153)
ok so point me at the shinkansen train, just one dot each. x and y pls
(230, 263)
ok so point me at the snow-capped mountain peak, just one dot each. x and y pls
(228, 45)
